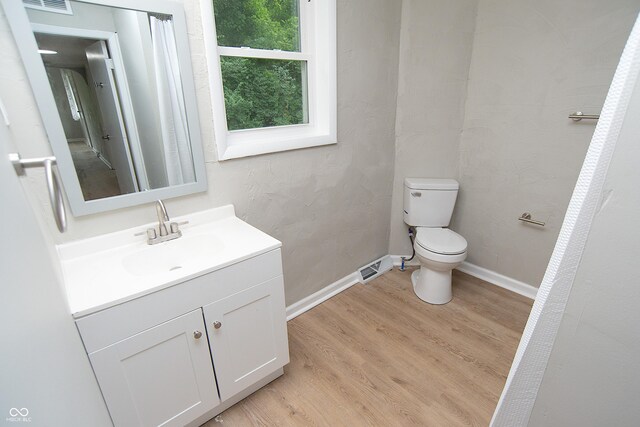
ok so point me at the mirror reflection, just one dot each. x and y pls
(116, 82)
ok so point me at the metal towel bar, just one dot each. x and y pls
(579, 115)
(53, 183)
(526, 217)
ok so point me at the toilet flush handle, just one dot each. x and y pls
(416, 194)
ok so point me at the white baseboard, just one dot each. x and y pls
(498, 279)
(70, 140)
(485, 274)
(322, 295)
(346, 282)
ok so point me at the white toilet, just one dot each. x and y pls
(428, 205)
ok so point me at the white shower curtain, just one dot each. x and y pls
(173, 116)
(71, 96)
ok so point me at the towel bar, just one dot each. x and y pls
(526, 217)
(579, 115)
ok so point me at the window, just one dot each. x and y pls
(272, 68)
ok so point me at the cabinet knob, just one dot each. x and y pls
(217, 324)
(197, 334)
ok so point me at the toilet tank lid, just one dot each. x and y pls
(431, 184)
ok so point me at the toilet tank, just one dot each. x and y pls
(429, 202)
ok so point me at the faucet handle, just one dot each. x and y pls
(174, 227)
(151, 233)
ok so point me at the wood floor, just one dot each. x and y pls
(377, 355)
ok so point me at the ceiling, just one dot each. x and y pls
(71, 50)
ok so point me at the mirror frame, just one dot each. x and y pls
(22, 31)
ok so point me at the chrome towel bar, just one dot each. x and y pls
(526, 217)
(579, 115)
(53, 183)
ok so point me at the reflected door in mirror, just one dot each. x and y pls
(114, 133)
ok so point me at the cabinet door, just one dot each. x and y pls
(162, 376)
(248, 336)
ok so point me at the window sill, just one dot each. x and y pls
(247, 149)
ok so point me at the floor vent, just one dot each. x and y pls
(375, 269)
(58, 6)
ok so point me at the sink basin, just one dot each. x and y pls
(185, 251)
(103, 271)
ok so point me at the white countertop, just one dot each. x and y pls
(107, 270)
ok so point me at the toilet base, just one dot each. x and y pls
(432, 286)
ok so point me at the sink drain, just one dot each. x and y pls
(175, 268)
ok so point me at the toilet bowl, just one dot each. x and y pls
(428, 206)
(439, 251)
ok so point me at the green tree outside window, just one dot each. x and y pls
(261, 92)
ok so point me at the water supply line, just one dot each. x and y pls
(412, 233)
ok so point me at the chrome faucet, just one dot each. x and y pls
(163, 217)
(163, 234)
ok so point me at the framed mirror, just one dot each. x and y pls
(114, 85)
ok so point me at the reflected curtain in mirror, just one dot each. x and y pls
(173, 117)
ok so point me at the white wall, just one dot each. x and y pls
(84, 14)
(593, 374)
(328, 205)
(435, 52)
(533, 63)
(43, 366)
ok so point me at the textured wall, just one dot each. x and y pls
(596, 353)
(604, 194)
(435, 51)
(328, 205)
(532, 64)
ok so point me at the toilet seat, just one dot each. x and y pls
(441, 241)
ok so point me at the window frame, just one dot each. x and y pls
(317, 48)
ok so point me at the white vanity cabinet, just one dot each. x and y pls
(246, 336)
(162, 376)
(179, 331)
(181, 355)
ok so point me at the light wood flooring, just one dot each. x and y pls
(377, 355)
